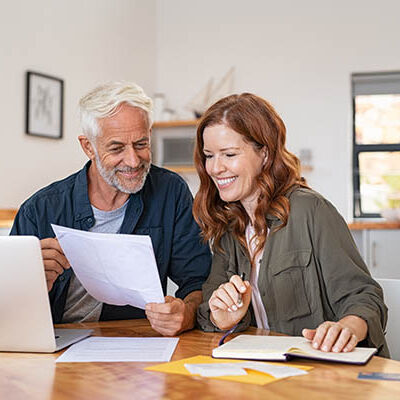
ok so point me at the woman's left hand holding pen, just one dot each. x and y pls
(229, 303)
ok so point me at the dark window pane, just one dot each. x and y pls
(377, 119)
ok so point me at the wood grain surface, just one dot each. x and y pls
(7, 217)
(37, 376)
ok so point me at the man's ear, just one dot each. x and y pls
(87, 146)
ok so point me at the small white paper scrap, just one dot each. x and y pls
(224, 369)
(209, 370)
(120, 349)
(277, 371)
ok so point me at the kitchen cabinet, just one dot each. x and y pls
(379, 245)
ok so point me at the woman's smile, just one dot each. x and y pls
(233, 165)
(223, 183)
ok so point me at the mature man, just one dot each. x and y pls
(119, 191)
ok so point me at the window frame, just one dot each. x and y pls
(363, 148)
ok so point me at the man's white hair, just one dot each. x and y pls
(105, 100)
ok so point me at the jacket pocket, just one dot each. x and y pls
(288, 283)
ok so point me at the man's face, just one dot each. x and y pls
(122, 149)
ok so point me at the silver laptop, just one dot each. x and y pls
(25, 315)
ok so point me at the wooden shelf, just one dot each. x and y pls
(174, 124)
(181, 169)
(360, 225)
(191, 169)
(7, 217)
(6, 223)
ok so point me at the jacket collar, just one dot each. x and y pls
(80, 195)
(274, 220)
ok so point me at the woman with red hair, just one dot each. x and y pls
(283, 257)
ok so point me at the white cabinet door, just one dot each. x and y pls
(384, 253)
(359, 237)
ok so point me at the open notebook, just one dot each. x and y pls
(282, 348)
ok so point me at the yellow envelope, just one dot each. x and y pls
(255, 377)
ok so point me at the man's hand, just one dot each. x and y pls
(54, 260)
(175, 315)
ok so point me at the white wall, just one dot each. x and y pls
(297, 54)
(84, 42)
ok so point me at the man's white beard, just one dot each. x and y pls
(111, 178)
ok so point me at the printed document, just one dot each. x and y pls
(120, 349)
(114, 268)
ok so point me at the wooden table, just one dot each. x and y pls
(36, 376)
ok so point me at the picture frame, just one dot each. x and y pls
(44, 105)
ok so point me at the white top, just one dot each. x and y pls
(256, 301)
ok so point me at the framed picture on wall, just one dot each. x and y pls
(44, 105)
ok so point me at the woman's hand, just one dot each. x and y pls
(229, 303)
(338, 336)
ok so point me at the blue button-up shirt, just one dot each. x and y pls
(162, 209)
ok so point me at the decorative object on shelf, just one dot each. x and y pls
(44, 105)
(162, 113)
(198, 104)
(305, 157)
(168, 114)
(158, 105)
(211, 93)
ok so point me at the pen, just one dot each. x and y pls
(226, 334)
(240, 302)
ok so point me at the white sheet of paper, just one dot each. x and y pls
(120, 349)
(223, 369)
(114, 268)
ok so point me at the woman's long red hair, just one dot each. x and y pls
(259, 124)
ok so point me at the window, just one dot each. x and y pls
(376, 142)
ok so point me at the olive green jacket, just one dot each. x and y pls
(310, 272)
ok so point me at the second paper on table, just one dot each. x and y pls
(114, 268)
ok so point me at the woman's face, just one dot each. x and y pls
(232, 163)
